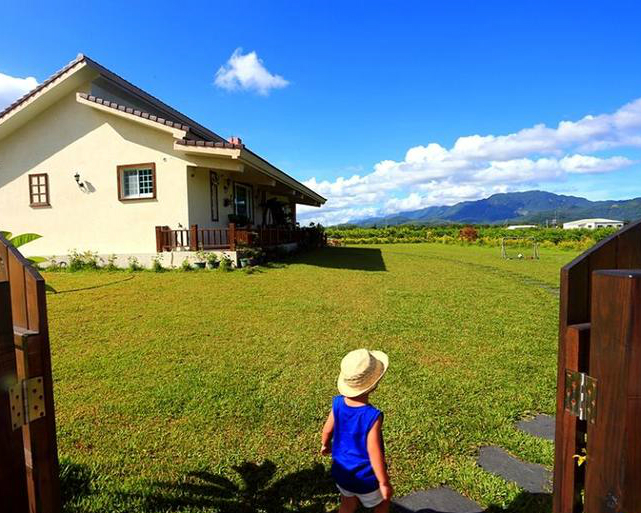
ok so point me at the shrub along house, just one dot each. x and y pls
(91, 162)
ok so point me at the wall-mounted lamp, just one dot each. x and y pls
(77, 178)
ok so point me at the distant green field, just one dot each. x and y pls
(206, 391)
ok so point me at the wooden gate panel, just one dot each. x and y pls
(615, 363)
(620, 251)
(629, 249)
(29, 344)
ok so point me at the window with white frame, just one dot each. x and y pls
(137, 182)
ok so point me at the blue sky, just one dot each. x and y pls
(365, 101)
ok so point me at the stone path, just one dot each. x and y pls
(542, 426)
(533, 478)
(437, 500)
(529, 476)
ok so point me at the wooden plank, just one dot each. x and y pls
(574, 299)
(632, 478)
(18, 292)
(603, 258)
(42, 432)
(568, 477)
(629, 248)
(616, 330)
(13, 485)
(4, 263)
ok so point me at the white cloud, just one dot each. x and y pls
(12, 88)
(247, 72)
(477, 166)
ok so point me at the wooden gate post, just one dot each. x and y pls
(613, 475)
(13, 482)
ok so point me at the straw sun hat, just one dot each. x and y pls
(361, 370)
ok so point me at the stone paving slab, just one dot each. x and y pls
(542, 426)
(436, 500)
(529, 476)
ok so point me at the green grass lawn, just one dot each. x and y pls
(206, 391)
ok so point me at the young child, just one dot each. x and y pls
(358, 453)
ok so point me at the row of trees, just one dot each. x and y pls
(487, 235)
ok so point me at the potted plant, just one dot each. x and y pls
(244, 261)
(225, 264)
(242, 253)
(212, 260)
(200, 259)
(256, 256)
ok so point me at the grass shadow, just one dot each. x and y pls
(305, 491)
(339, 257)
(75, 483)
(101, 285)
(257, 490)
(526, 502)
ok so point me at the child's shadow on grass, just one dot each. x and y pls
(310, 490)
(305, 491)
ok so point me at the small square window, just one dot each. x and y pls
(137, 182)
(39, 190)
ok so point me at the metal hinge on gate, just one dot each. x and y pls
(580, 395)
(27, 401)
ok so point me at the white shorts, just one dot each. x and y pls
(368, 500)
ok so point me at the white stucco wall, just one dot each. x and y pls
(69, 138)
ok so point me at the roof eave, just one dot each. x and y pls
(272, 171)
(64, 82)
(196, 127)
(128, 114)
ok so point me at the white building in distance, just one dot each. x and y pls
(593, 224)
(521, 226)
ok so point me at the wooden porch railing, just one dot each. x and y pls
(195, 238)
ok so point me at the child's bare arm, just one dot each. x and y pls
(328, 431)
(377, 458)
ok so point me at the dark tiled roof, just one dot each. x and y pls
(210, 144)
(44, 84)
(135, 112)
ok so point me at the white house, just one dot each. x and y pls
(593, 224)
(91, 162)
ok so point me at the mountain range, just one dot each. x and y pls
(534, 207)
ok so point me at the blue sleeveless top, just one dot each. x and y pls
(351, 467)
